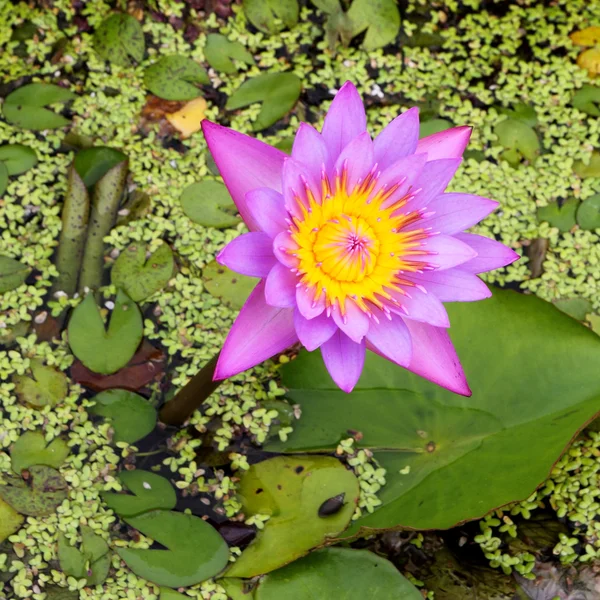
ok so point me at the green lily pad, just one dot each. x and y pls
(141, 277)
(430, 441)
(278, 93)
(132, 417)
(221, 52)
(40, 494)
(236, 589)
(591, 169)
(587, 100)
(285, 145)
(93, 163)
(561, 217)
(521, 112)
(32, 449)
(340, 573)
(195, 550)
(433, 126)
(10, 520)
(25, 106)
(169, 594)
(12, 272)
(150, 492)
(209, 204)
(519, 139)
(3, 178)
(271, 16)
(17, 158)
(380, 18)
(46, 387)
(120, 40)
(578, 308)
(292, 490)
(230, 287)
(588, 213)
(90, 562)
(101, 350)
(175, 78)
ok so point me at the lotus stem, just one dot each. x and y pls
(75, 215)
(105, 204)
(191, 396)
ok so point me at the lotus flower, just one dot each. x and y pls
(356, 243)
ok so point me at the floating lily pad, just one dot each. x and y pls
(17, 158)
(132, 417)
(46, 387)
(3, 178)
(169, 594)
(578, 308)
(380, 18)
(25, 106)
(90, 562)
(149, 491)
(10, 520)
(175, 78)
(588, 213)
(230, 287)
(278, 93)
(292, 491)
(561, 217)
(433, 126)
(12, 272)
(105, 350)
(141, 277)
(340, 573)
(587, 100)
(209, 204)
(195, 551)
(120, 40)
(93, 163)
(590, 169)
(271, 16)
(221, 52)
(32, 449)
(40, 494)
(519, 139)
(429, 440)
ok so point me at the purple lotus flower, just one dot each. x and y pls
(355, 242)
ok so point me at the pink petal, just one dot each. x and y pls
(283, 247)
(344, 360)
(357, 159)
(280, 287)
(453, 213)
(313, 333)
(433, 180)
(404, 173)
(391, 339)
(309, 148)
(434, 357)
(354, 323)
(490, 253)
(307, 305)
(267, 210)
(296, 178)
(398, 139)
(420, 305)
(259, 332)
(345, 120)
(452, 285)
(446, 144)
(245, 163)
(445, 252)
(249, 254)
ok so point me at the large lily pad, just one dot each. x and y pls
(46, 387)
(149, 491)
(293, 491)
(120, 40)
(32, 449)
(12, 272)
(101, 350)
(209, 204)
(90, 562)
(227, 285)
(141, 277)
(534, 375)
(195, 550)
(340, 573)
(38, 495)
(132, 416)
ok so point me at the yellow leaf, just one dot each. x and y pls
(187, 120)
(590, 36)
(590, 61)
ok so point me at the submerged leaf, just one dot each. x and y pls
(32, 449)
(46, 387)
(208, 203)
(561, 217)
(12, 272)
(90, 562)
(119, 39)
(175, 78)
(227, 285)
(590, 169)
(519, 139)
(220, 51)
(587, 100)
(381, 19)
(588, 213)
(271, 16)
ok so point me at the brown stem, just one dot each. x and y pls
(190, 397)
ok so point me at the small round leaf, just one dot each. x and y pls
(175, 78)
(209, 204)
(32, 449)
(119, 39)
(588, 214)
(271, 16)
(17, 158)
(220, 51)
